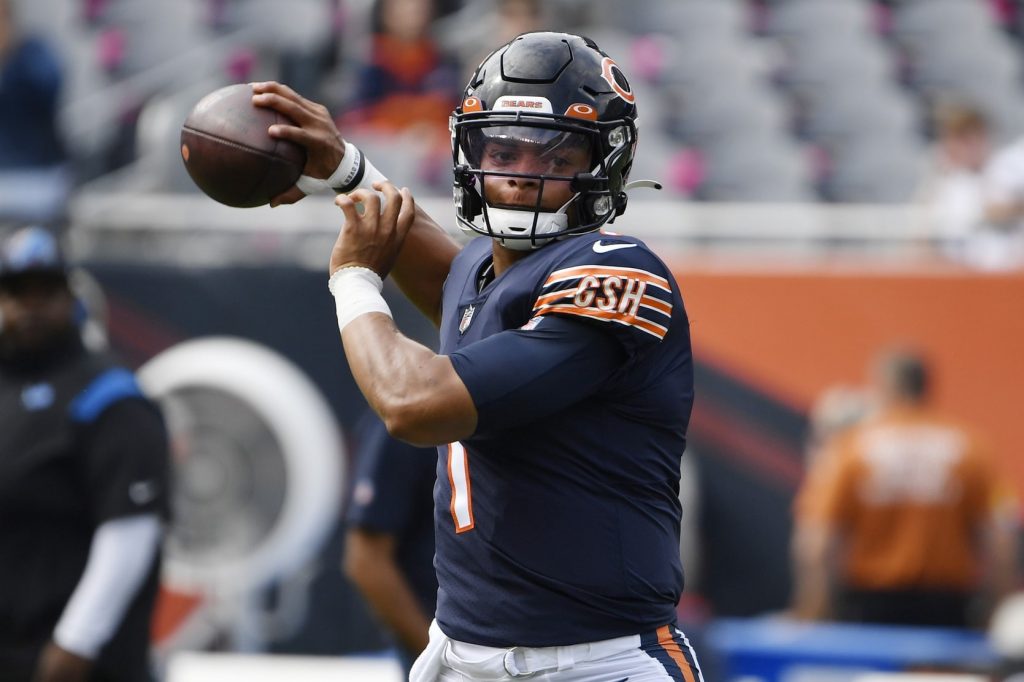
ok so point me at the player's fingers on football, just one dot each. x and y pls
(302, 111)
(276, 87)
(290, 108)
(289, 196)
(303, 137)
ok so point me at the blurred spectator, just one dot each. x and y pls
(1006, 635)
(34, 178)
(952, 191)
(1003, 244)
(407, 83)
(910, 521)
(389, 545)
(838, 409)
(84, 471)
(405, 92)
(507, 19)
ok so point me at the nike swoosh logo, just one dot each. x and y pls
(142, 492)
(605, 248)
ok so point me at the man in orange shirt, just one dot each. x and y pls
(905, 520)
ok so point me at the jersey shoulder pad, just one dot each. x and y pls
(616, 281)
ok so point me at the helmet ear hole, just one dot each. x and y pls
(467, 203)
(601, 205)
(467, 199)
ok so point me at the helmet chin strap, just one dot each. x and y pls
(507, 222)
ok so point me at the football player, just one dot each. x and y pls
(562, 391)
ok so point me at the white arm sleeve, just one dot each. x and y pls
(120, 557)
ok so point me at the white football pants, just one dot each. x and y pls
(662, 656)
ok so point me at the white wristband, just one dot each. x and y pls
(356, 292)
(354, 172)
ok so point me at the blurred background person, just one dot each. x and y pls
(952, 190)
(84, 470)
(407, 82)
(480, 26)
(1002, 246)
(1006, 634)
(34, 176)
(910, 521)
(838, 409)
(404, 91)
(389, 542)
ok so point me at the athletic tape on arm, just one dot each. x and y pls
(356, 292)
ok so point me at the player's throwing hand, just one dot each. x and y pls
(376, 224)
(314, 129)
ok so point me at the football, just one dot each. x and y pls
(229, 154)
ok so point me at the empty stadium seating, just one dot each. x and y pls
(749, 95)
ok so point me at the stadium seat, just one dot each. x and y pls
(745, 167)
(875, 171)
(920, 23)
(882, 112)
(675, 17)
(831, 64)
(797, 20)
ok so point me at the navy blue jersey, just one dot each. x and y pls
(393, 495)
(558, 521)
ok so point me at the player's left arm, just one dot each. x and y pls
(415, 391)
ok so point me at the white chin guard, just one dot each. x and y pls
(506, 222)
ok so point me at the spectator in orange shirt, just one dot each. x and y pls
(910, 522)
(407, 83)
(836, 410)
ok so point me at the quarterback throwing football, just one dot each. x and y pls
(561, 396)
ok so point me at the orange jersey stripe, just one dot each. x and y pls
(671, 646)
(606, 316)
(600, 271)
(656, 304)
(553, 296)
(459, 528)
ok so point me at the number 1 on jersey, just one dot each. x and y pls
(462, 498)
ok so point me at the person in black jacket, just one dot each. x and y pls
(84, 472)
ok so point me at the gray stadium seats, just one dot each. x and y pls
(755, 168)
(875, 171)
(920, 23)
(676, 17)
(797, 20)
(708, 78)
(862, 114)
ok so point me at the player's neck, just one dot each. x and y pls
(504, 257)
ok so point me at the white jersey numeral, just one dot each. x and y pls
(462, 496)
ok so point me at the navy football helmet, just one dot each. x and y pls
(561, 96)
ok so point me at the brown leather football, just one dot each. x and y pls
(229, 154)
